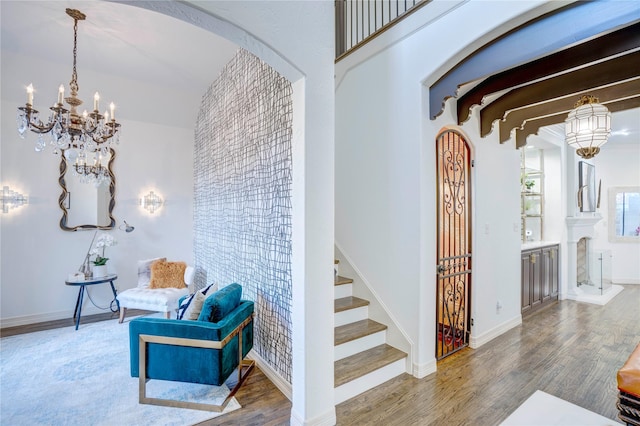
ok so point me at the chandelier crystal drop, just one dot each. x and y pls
(588, 126)
(67, 130)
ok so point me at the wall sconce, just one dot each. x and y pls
(126, 227)
(12, 199)
(151, 202)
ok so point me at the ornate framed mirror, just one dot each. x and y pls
(86, 205)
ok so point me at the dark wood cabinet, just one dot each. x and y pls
(539, 277)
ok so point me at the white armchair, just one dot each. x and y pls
(154, 299)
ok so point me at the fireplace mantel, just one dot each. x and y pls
(581, 226)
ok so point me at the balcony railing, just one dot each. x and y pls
(359, 21)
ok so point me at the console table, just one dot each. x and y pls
(91, 281)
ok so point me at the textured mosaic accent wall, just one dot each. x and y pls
(242, 206)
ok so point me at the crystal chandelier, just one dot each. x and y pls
(588, 126)
(75, 134)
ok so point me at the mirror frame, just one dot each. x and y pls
(64, 194)
(587, 201)
(613, 238)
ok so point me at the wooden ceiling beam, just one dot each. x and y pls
(516, 119)
(531, 127)
(594, 50)
(554, 31)
(611, 71)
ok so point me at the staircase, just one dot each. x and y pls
(363, 360)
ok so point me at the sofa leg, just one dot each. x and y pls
(123, 311)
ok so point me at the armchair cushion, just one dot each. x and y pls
(222, 302)
(167, 274)
(190, 364)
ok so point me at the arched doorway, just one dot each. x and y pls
(454, 243)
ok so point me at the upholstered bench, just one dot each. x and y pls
(629, 387)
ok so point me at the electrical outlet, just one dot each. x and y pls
(498, 306)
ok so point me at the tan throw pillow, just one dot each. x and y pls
(167, 274)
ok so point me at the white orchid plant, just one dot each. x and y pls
(103, 241)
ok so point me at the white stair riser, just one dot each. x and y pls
(369, 381)
(350, 315)
(360, 345)
(343, 290)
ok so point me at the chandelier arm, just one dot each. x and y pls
(38, 126)
(113, 129)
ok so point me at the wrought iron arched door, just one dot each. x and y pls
(454, 243)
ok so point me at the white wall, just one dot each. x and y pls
(38, 255)
(385, 181)
(296, 39)
(617, 165)
(553, 180)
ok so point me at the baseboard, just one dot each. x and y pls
(326, 419)
(625, 281)
(477, 341)
(423, 370)
(50, 316)
(276, 379)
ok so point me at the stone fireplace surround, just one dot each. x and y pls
(583, 226)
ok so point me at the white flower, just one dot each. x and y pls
(106, 240)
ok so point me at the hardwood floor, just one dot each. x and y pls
(571, 350)
(67, 322)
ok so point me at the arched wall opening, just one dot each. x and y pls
(310, 71)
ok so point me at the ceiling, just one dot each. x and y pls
(141, 45)
(594, 50)
(119, 40)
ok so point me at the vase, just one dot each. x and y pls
(99, 271)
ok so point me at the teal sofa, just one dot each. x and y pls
(205, 351)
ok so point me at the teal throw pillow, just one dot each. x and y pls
(219, 304)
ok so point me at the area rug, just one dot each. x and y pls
(542, 409)
(69, 377)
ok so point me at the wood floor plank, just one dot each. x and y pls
(67, 322)
(342, 280)
(349, 302)
(350, 368)
(355, 330)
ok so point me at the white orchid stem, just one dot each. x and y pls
(88, 251)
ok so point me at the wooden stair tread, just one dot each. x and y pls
(355, 330)
(339, 280)
(350, 302)
(360, 364)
